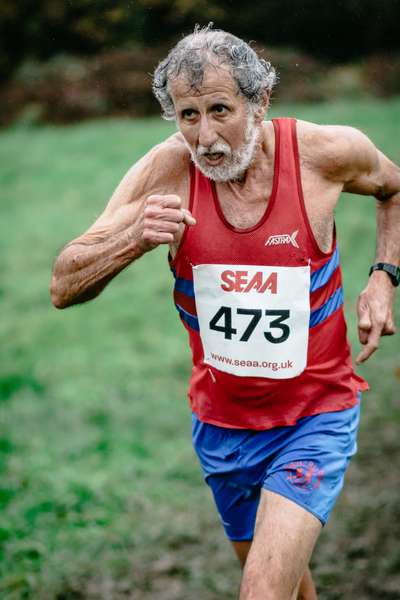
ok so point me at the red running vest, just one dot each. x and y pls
(328, 382)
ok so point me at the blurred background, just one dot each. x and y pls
(101, 496)
(62, 61)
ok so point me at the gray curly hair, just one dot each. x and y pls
(206, 46)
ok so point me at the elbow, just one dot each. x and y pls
(58, 299)
(60, 285)
(58, 302)
(63, 296)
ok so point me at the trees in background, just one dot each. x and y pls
(339, 31)
(66, 60)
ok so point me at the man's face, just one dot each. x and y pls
(216, 123)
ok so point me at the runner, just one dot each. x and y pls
(246, 207)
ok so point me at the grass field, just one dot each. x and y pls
(101, 496)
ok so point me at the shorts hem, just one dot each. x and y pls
(239, 539)
(322, 520)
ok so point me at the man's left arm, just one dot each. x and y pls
(370, 172)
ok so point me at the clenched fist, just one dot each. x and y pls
(164, 220)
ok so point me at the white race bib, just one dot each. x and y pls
(254, 320)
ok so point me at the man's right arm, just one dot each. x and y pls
(144, 211)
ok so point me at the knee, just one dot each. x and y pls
(263, 586)
(265, 593)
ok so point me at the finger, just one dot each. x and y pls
(390, 327)
(160, 225)
(167, 200)
(164, 214)
(364, 327)
(188, 218)
(372, 344)
(365, 353)
(157, 237)
(364, 323)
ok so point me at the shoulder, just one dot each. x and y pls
(164, 163)
(162, 170)
(338, 152)
(171, 155)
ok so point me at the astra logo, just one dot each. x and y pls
(241, 281)
(283, 238)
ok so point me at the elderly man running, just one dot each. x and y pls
(246, 207)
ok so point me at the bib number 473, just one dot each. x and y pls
(222, 322)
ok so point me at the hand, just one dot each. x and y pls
(164, 220)
(375, 313)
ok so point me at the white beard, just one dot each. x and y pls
(236, 162)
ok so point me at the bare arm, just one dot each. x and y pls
(142, 213)
(365, 170)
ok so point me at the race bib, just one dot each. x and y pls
(254, 320)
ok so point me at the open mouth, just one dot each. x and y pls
(213, 156)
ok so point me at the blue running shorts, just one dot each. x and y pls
(305, 462)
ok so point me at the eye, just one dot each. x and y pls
(220, 109)
(188, 114)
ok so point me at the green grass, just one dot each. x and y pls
(100, 493)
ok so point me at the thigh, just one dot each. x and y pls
(285, 535)
(311, 467)
(234, 478)
(237, 496)
(304, 463)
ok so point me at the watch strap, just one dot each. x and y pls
(391, 270)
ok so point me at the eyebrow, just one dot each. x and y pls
(222, 99)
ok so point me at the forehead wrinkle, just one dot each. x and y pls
(204, 87)
(219, 90)
(214, 97)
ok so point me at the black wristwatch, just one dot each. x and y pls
(391, 270)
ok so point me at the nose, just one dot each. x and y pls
(207, 133)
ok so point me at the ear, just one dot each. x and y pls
(261, 111)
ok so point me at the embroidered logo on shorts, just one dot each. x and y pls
(304, 474)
